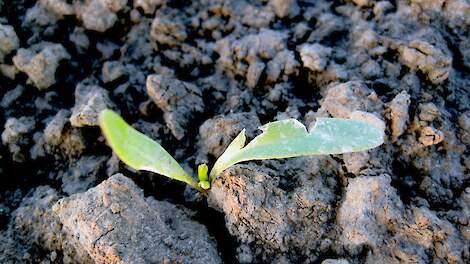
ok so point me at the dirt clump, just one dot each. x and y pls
(15, 136)
(180, 101)
(9, 40)
(216, 133)
(35, 228)
(273, 212)
(40, 62)
(372, 209)
(115, 223)
(58, 138)
(89, 101)
(252, 55)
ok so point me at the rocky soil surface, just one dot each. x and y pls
(192, 75)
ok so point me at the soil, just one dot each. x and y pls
(192, 75)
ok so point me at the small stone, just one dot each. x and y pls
(136, 17)
(430, 136)
(53, 256)
(300, 31)
(434, 61)
(285, 8)
(8, 71)
(367, 39)
(115, 5)
(111, 71)
(148, 6)
(40, 62)
(15, 127)
(80, 39)
(107, 49)
(399, 116)
(168, 32)
(15, 135)
(254, 73)
(26, 257)
(371, 69)
(362, 3)
(381, 8)
(281, 66)
(11, 96)
(315, 57)
(90, 100)
(428, 112)
(59, 8)
(8, 40)
(96, 16)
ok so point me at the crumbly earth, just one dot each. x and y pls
(114, 223)
(192, 75)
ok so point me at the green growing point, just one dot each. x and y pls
(281, 139)
(202, 170)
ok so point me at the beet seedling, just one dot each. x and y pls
(280, 139)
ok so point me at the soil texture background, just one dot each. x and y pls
(192, 75)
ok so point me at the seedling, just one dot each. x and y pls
(280, 139)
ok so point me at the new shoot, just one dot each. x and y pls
(280, 139)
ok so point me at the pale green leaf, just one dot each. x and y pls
(289, 138)
(139, 151)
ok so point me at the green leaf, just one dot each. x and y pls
(139, 151)
(289, 138)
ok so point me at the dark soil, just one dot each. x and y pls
(192, 75)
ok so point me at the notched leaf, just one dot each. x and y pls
(289, 138)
